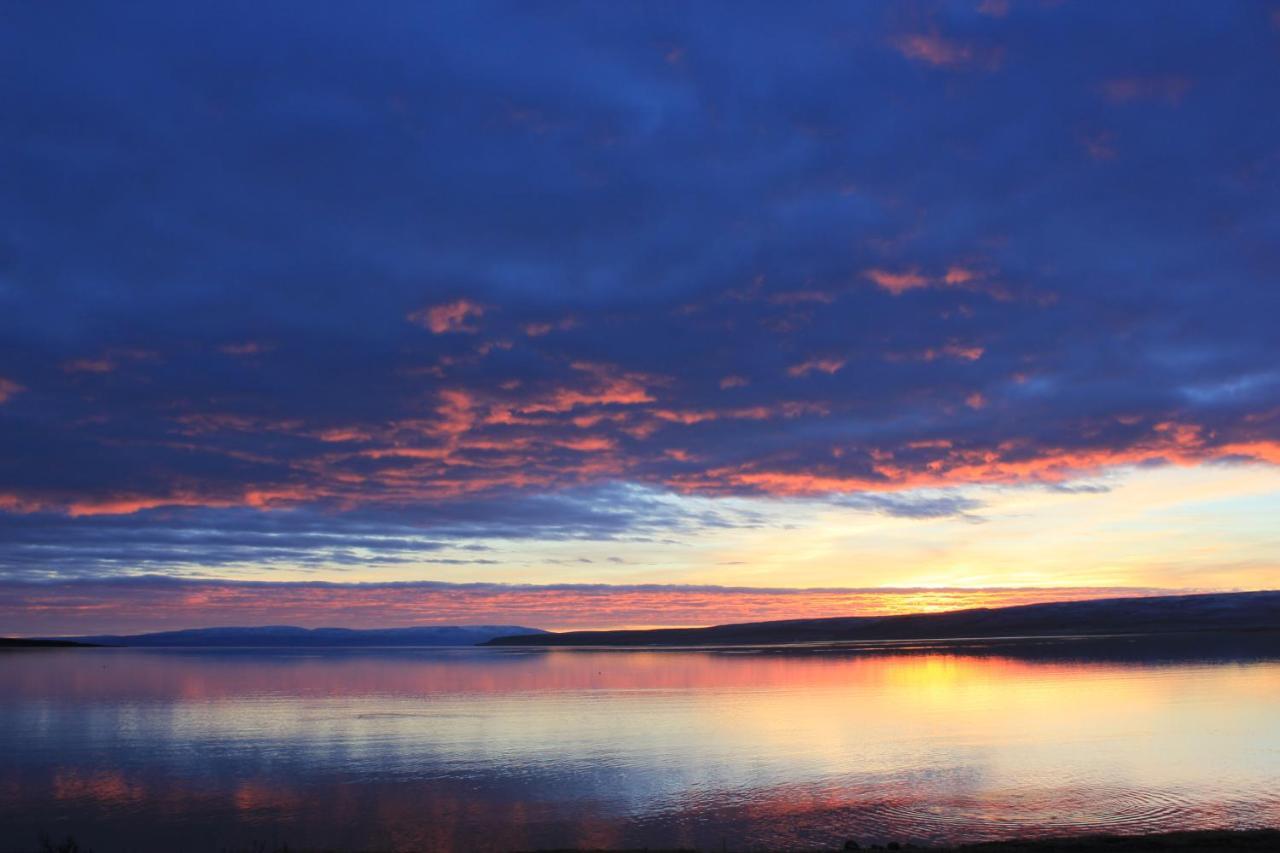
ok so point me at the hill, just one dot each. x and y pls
(1241, 611)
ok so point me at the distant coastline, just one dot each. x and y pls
(1237, 613)
(289, 636)
(1193, 841)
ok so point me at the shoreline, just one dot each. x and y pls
(1187, 841)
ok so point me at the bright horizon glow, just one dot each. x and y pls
(1158, 530)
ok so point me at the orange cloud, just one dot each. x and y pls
(456, 316)
(90, 365)
(821, 365)
(733, 382)
(959, 275)
(966, 353)
(897, 282)
(608, 387)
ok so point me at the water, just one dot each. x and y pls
(490, 749)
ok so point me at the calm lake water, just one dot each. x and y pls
(475, 749)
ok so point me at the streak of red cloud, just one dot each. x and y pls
(456, 316)
(608, 387)
(965, 353)
(897, 283)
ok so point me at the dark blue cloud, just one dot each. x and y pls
(730, 249)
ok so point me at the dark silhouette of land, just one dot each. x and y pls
(1202, 841)
(1212, 841)
(1214, 612)
(290, 636)
(24, 643)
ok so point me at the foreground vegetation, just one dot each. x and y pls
(1208, 841)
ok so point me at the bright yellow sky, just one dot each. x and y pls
(1214, 526)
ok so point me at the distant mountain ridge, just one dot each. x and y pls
(1219, 612)
(292, 636)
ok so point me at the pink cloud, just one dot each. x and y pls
(90, 365)
(799, 297)
(109, 361)
(538, 329)
(1169, 89)
(456, 316)
(8, 389)
(1099, 146)
(242, 348)
(933, 49)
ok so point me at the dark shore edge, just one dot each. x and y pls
(1186, 841)
(1195, 841)
(25, 643)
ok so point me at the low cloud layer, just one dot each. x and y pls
(142, 604)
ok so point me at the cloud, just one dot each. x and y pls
(897, 282)
(244, 348)
(543, 327)
(90, 365)
(934, 49)
(181, 538)
(786, 197)
(821, 365)
(1167, 88)
(456, 316)
(9, 389)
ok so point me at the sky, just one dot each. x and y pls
(624, 314)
